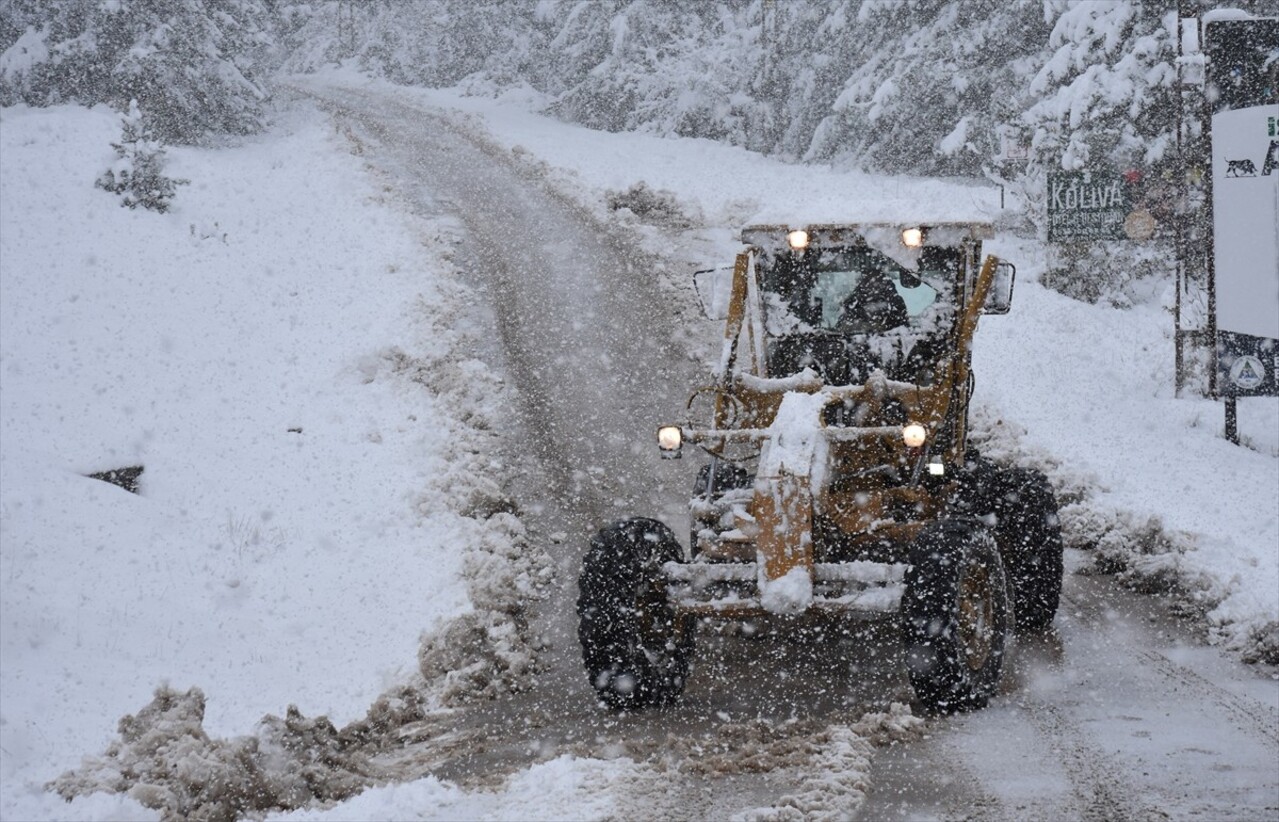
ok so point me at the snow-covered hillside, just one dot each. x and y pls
(285, 355)
(924, 87)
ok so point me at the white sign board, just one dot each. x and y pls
(1012, 148)
(1245, 204)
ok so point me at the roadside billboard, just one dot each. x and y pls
(1086, 205)
(1243, 91)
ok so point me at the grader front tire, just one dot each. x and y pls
(955, 617)
(636, 649)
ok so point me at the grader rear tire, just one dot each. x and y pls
(636, 649)
(1029, 538)
(955, 617)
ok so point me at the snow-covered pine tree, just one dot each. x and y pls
(138, 172)
(194, 65)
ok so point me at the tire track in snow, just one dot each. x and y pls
(1102, 793)
(1120, 714)
(1246, 714)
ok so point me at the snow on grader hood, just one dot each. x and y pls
(840, 478)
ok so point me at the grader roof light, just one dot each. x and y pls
(913, 237)
(798, 239)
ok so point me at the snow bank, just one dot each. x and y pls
(285, 359)
(165, 760)
(564, 788)
(1085, 392)
(724, 185)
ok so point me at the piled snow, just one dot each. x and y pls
(564, 788)
(790, 593)
(165, 760)
(796, 444)
(796, 448)
(321, 483)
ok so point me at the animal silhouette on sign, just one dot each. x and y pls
(1240, 168)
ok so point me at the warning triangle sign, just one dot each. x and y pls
(1247, 372)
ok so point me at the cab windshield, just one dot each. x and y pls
(845, 311)
(858, 290)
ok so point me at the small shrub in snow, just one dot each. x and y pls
(652, 206)
(138, 172)
(1118, 273)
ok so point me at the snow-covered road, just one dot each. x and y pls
(1123, 716)
(578, 328)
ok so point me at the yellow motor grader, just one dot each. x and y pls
(840, 477)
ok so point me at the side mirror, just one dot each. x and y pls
(714, 287)
(1000, 298)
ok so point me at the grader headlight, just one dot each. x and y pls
(913, 237)
(670, 441)
(914, 435)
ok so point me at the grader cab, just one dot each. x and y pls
(840, 478)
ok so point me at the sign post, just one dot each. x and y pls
(1243, 89)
